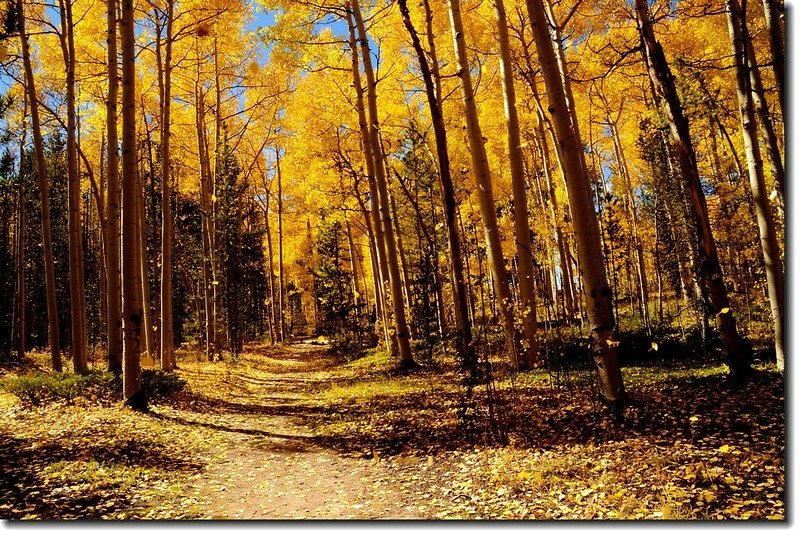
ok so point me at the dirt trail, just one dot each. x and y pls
(270, 466)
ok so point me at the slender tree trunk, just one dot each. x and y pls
(273, 328)
(20, 238)
(213, 173)
(738, 351)
(380, 242)
(114, 291)
(776, 44)
(166, 346)
(131, 193)
(483, 179)
(401, 251)
(373, 255)
(44, 189)
(395, 282)
(543, 123)
(147, 316)
(765, 123)
(638, 246)
(766, 224)
(464, 348)
(468, 281)
(521, 225)
(561, 242)
(597, 293)
(351, 250)
(205, 208)
(281, 312)
(166, 331)
(76, 284)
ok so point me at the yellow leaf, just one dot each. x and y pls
(524, 475)
(654, 345)
(725, 448)
(693, 419)
(725, 310)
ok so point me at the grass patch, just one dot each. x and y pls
(37, 388)
(372, 360)
(360, 390)
(652, 375)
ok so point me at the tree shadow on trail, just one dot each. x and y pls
(27, 489)
(228, 428)
(544, 418)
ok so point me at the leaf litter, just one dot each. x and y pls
(291, 432)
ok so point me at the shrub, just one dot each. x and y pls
(158, 384)
(38, 389)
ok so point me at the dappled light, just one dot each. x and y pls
(388, 260)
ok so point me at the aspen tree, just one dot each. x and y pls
(521, 225)
(77, 291)
(464, 349)
(281, 312)
(165, 78)
(113, 289)
(776, 43)
(765, 122)
(395, 282)
(713, 283)
(132, 320)
(766, 223)
(597, 293)
(483, 179)
(44, 188)
(379, 246)
(20, 240)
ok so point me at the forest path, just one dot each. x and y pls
(268, 463)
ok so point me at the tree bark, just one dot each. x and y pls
(380, 242)
(167, 350)
(483, 179)
(464, 349)
(271, 268)
(597, 293)
(401, 251)
(147, 316)
(113, 289)
(281, 313)
(737, 350)
(205, 209)
(44, 188)
(20, 238)
(76, 273)
(766, 224)
(776, 44)
(395, 282)
(765, 123)
(527, 286)
(569, 298)
(351, 250)
(131, 192)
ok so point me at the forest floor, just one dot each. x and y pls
(289, 432)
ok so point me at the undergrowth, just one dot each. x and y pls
(38, 388)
